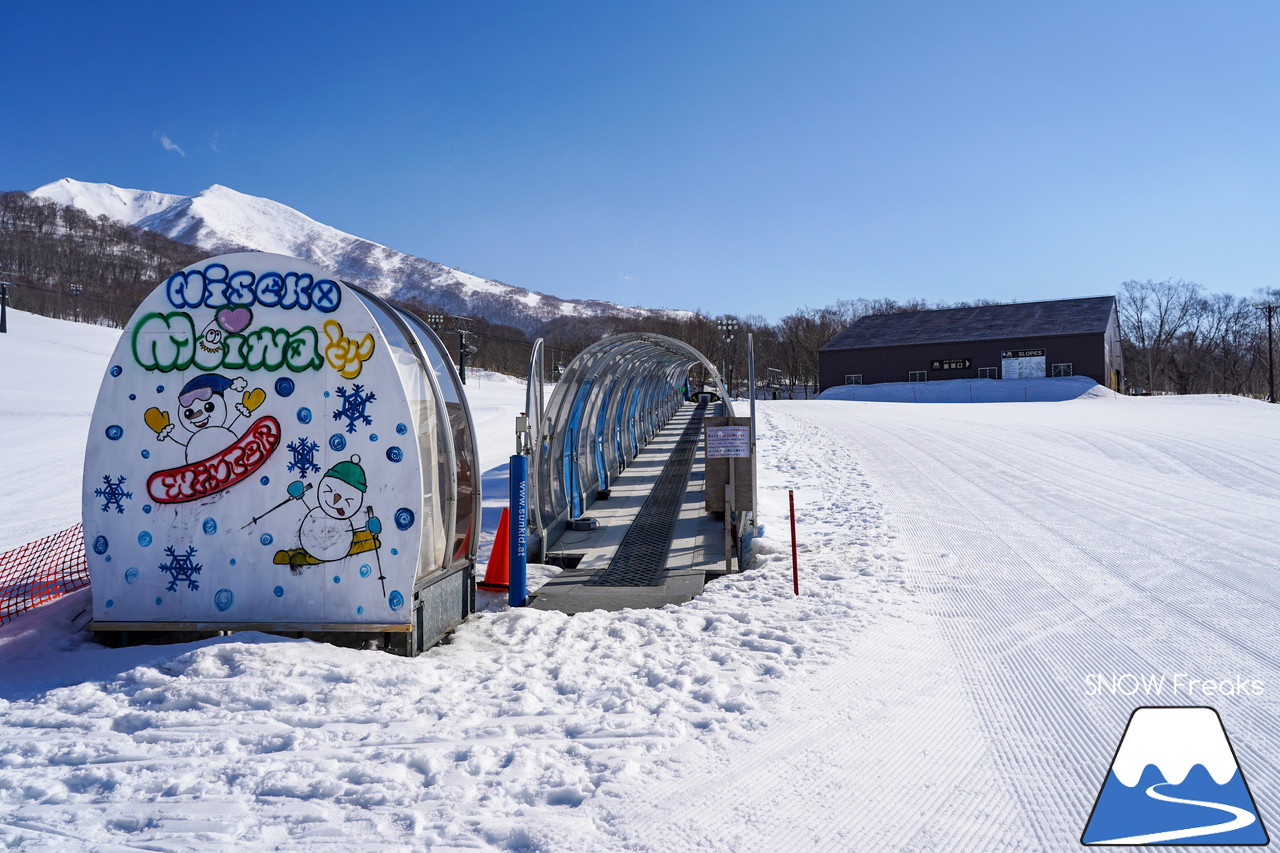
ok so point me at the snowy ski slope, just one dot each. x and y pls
(1046, 542)
(968, 574)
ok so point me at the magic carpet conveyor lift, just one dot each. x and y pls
(609, 402)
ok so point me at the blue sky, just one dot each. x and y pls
(737, 157)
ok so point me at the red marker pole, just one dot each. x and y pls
(795, 557)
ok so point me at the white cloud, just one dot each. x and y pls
(170, 145)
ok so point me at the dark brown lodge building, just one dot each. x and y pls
(1061, 337)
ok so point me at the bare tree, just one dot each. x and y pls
(1152, 317)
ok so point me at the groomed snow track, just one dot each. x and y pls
(1044, 542)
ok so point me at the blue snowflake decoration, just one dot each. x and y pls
(304, 457)
(181, 568)
(355, 407)
(113, 493)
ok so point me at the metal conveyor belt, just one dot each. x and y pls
(641, 558)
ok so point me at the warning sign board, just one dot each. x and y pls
(728, 441)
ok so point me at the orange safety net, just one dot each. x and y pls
(41, 571)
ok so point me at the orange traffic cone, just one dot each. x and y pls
(496, 574)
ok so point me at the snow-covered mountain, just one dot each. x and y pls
(221, 219)
(123, 205)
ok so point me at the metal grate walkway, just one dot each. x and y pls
(641, 558)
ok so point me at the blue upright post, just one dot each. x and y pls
(518, 590)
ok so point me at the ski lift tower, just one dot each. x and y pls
(462, 326)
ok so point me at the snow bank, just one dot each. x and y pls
(974, 391)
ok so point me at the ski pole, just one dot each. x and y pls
(377, 553)
(298, 496)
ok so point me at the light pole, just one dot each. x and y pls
(76, 290)
(4, 304)
(1270, 310)
(727, 327)
(465, 347)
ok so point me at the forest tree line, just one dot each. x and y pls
(1178, 337)
(71, 265)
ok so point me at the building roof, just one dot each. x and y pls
(982, 323)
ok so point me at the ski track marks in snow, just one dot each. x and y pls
(1047, 560)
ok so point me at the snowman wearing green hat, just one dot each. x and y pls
(328, 531)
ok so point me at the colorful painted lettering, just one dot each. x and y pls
(167, 342)
(346, 355)
(216, 286)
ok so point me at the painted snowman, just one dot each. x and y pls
(328, 531)
(203, 412)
